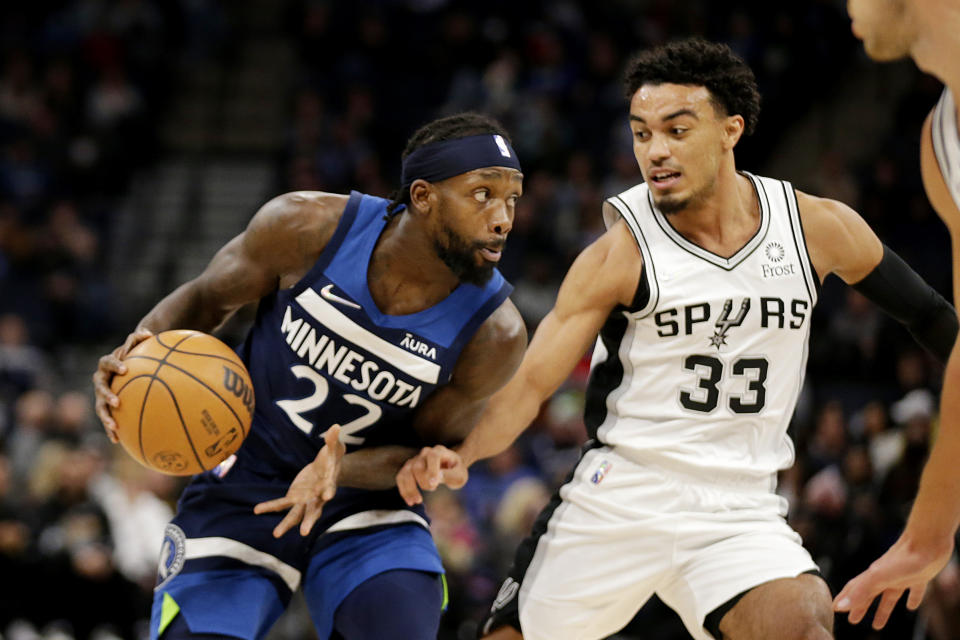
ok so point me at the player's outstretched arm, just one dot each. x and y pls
(841, 242)
(278, 246)
(606, 274)
(926, 543)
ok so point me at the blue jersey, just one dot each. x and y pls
(322, 353)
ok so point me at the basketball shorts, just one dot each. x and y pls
(619, 532)
(224, 573)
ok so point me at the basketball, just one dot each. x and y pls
(186, 402)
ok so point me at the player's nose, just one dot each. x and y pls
(501, 219)
(658, 149)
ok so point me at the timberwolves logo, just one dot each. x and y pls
(774, 251)
(725, 322)
(171, 554)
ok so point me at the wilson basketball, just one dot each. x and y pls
(186, 402)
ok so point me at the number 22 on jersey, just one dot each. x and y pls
(295, 408)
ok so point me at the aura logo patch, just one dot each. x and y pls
(172, 554)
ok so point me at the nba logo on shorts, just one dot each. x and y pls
(601, 472)
(171, 554)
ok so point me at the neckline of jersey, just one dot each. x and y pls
(742, 253)
(370, 305)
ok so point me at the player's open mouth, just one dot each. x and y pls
(664, 178)
(491, 254)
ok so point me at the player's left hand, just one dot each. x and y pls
(314, 486)
(905, 566)
(429, 469)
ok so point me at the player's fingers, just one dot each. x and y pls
(407, 485)
(432, 460)
(455, 477)
(103, 391)
(915, 596)
(279, 504)
(856, 603)
(310, 518)
(289, 521)
(331, 438)
(108, 366)
(420, 468)
(134, 339)
(885, 608)
(109, 425)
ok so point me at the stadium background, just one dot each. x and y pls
(136, 136)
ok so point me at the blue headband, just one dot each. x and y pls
(441, 160)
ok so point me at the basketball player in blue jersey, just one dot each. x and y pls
(701, 291)
(382, 327)
(929, 32)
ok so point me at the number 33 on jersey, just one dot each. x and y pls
(712, 359)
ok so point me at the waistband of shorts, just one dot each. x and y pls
(711, 477)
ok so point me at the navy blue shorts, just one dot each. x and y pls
(223, 573)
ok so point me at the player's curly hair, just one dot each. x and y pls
(694, 61)
(460, 125)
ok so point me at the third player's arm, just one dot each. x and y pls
(927, 541)
(604, 275)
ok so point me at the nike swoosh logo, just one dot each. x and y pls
(327, 292)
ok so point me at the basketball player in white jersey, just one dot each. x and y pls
(702, 291)
(929, 32)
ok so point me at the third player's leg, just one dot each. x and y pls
(788, 609)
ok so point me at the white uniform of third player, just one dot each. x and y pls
(946, 142)
(690, 401)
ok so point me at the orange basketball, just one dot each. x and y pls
(186, 402)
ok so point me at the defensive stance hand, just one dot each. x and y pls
(314, 486)
(429, 469)
(905, 566)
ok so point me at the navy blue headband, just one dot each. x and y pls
(441, 160)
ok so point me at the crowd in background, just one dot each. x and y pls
(83, 88)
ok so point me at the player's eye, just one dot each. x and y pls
(678, 130)
(481, 195)
(641, 135)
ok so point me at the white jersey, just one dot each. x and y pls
(703, 374)
(946, 142)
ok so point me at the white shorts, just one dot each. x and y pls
(623, 532)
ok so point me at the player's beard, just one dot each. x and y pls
(669, 204)
(460, 256)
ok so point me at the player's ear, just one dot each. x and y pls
(423, 196)
(732, 130)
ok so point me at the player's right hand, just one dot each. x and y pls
(904, 567)
(429, 469)
(112, 365)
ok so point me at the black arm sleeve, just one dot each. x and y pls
(898, 290)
